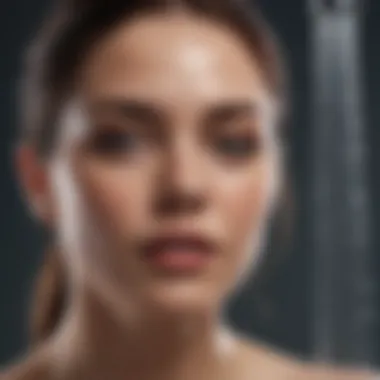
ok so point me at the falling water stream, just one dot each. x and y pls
(343, 279)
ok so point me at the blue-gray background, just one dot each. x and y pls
(284, 315)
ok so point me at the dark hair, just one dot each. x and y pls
(72, 28)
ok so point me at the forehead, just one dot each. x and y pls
(180, 60)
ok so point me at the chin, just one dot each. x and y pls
(183, 298)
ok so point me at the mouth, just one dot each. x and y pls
(179, 253)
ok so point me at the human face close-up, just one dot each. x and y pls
(166, 166)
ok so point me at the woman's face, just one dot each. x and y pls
(166, 167)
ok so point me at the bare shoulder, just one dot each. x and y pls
(30, 367)
(266, 361)
(325, 371)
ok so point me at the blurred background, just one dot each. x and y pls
(318, 295)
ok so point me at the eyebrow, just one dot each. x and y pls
(143, 111)
(149, 113)
(228, 111)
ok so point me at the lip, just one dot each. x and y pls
(179, 251)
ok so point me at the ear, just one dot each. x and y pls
(33, 177)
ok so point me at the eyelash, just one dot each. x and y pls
(115, 142)
(237, 146)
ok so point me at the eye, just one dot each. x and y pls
(237, 146)
(115, 142)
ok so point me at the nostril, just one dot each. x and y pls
(171, 204)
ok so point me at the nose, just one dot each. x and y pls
(183, 181)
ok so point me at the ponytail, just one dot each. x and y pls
(48, 298)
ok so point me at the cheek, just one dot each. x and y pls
(101, 209)
(118, 196)
(246, 203)
(97, 203)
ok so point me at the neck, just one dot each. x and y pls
(93, 342)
